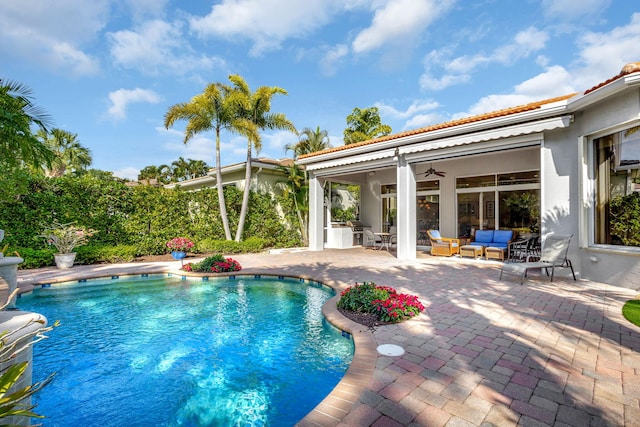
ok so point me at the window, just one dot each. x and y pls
(617, 182)
(506, 200)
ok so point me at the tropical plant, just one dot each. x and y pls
(69, 154)
(65, 237)
(256, 108)
(363, 125)
(310, 142)
(17, 115)
(296, 188)
(215, 109)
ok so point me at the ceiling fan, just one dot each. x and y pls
(432, 171)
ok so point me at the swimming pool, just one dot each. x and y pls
(170, 351)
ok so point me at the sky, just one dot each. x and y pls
(108, 70)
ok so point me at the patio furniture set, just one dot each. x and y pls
(519, 256)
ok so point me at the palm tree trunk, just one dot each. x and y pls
(221, 202)
(245, 195)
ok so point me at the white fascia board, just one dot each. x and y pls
(583, 101)
(515, 120)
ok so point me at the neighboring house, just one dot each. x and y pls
(552, 166)
(264, 176)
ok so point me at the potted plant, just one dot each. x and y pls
(179, 247)
(65, 237)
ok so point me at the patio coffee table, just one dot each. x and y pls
(471, 250)
(494, 253)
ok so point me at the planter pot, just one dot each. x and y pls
(178, 255)
(65, 260)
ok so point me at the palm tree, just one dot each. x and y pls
(216, 110)
(180, 170)
(310, 142)
(363, 125)
(17, 113)
(197, 168)
(69, 154)
(256, 107)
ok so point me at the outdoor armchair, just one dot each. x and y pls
(370, 239)
(553, 255)
(446, 246)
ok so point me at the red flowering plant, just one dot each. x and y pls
(383, 301)
(214, 264)
(180, 244)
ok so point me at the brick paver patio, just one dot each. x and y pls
(485, 352)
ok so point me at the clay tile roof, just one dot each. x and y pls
(451, 124)
(632, 67)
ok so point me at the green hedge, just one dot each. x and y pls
(133, 221)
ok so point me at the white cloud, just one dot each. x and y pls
(602, 55)
(127, 173)
(52, 36)
(273, 144)
(555, 81)
(332, 58)
(121, 98)
(266, 23)
(399, 20)
(417, 106)
(158, 47)
(569, 10)
(459, 70)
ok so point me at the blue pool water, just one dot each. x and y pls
(165, 351)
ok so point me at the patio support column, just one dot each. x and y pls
(316, 214)
(406, 179)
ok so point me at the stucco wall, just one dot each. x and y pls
(613, 265)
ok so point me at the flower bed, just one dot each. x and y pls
(383, 301)
(214, 264)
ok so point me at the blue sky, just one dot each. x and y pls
(108, 70)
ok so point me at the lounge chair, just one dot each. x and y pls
(553, 255)
(446, 246)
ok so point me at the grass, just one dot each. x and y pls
(631, 311)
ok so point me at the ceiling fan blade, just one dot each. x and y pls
(442, 174)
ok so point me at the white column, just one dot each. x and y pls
(316, 214)
(406, 179)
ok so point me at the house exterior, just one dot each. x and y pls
(567, 165)
(265, 174)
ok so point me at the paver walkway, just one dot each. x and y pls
(484, 352)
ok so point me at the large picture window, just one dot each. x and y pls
(617, 198)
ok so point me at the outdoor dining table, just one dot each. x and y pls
(385, 240)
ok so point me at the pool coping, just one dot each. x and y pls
(332, 410)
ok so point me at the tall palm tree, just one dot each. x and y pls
(310, 142)
(256, 107)
(216, 110)
(17, 113)
(69, 154)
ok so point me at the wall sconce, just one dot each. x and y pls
(396, 154)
